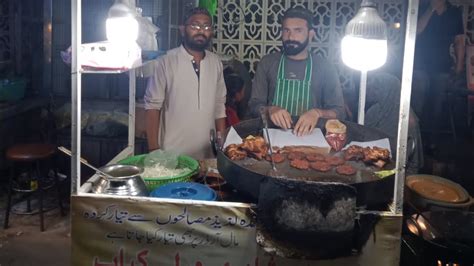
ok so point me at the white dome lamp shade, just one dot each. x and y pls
(121, 25)
(364, 47)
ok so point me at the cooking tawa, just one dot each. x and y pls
(247, 175)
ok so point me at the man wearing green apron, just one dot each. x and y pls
(297, 82)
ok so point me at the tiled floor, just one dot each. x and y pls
(22, 244)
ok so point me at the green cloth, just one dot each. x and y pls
(325, 90)
(293, 94)
(210, 5)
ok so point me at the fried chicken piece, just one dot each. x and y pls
(300, 164)
(380, 163)
(354, 152)
(345, 169)
(255, 147)
(235, 153)
(377, 156)
(321, 166)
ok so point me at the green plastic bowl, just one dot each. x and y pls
(154, 182)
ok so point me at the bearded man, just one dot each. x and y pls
(296, 82)
(185, 98)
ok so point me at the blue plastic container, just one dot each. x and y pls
(185, 190)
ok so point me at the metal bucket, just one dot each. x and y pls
(127, 181)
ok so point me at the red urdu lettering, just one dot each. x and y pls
(176, 259)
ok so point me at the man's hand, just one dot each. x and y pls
(280, 117)
(307, 122)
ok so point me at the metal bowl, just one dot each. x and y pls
(430, 203)
(126, 181)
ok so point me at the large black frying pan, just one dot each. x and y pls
(450, 233)
(247, 175)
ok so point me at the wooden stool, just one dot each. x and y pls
(31, 155)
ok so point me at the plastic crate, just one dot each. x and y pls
(12, 89)
(154, 182)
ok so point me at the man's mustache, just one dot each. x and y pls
(292, 43)
(200, 35)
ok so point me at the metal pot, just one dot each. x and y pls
(126, 181)
(423, 202)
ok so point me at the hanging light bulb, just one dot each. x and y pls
(364, 46)
(121, 25)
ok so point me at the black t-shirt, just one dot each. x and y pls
(432, 45)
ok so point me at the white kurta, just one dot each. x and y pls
(189, 105)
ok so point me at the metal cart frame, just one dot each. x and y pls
(76, 71)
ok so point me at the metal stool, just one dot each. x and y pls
(31, 156)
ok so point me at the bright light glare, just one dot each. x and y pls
(363, 54)
(122, 29)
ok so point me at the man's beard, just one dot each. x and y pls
(194, 45)
(294, 47)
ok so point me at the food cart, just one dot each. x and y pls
(124, 230)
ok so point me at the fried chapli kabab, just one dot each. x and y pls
(277, 158)
(345, 169)
(315, 157)
(320, 166)
(335, 161)
(300, 164)
(235, 153)
(296, 155)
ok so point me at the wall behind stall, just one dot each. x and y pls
(246, 29)
(21, 43)
(250, 29)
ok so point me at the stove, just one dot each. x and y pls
(437, 238)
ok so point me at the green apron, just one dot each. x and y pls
(293, 94)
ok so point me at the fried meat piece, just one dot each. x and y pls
(354, 152)
(255, 147)
(334, 160)
(376, 153)
(345, 169)
(277, 158)
(377, 156)
(295, 155)
(321, 166)
(300, 164)
(315, 157)
(380, 163)
(234, 152)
